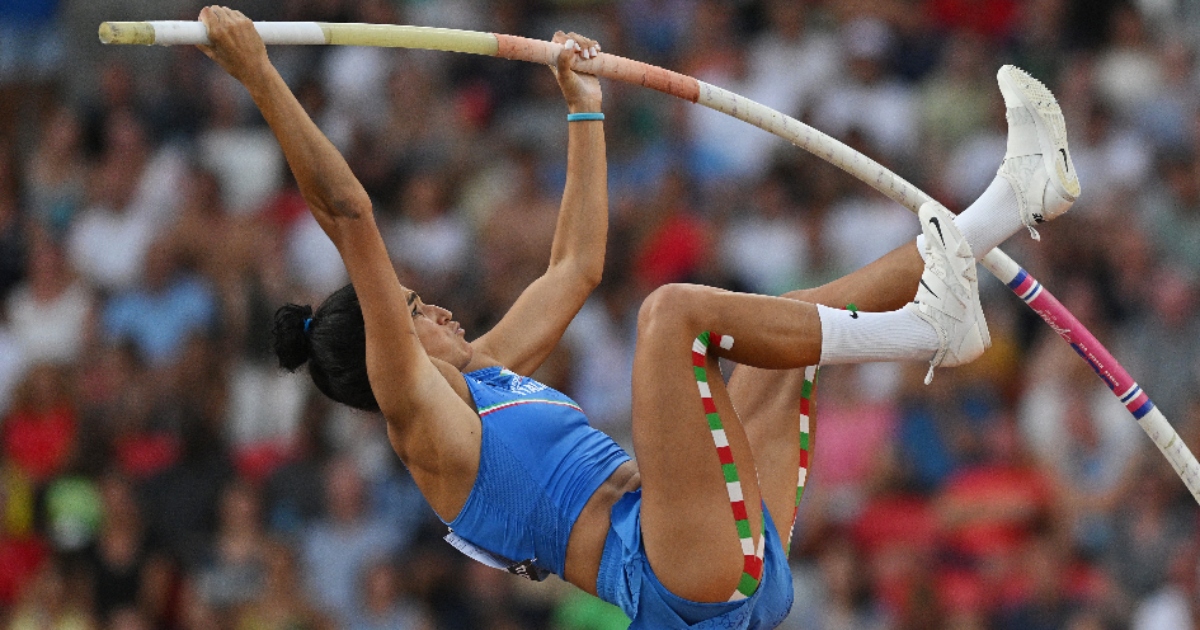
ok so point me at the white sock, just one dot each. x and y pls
(989, 221)
(848, 337)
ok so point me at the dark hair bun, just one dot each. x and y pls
(288, 338)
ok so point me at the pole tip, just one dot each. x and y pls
(127, 33)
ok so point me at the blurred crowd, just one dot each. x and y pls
(157, 470)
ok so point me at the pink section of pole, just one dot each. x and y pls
(1083, 342)
(1131, 395)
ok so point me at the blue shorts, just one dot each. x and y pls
(626, 580)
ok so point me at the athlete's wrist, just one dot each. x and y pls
(585, 107)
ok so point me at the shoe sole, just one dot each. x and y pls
(1051, 126)
(981, 327)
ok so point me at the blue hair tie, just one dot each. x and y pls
(307, 323)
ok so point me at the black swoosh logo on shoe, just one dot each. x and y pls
(1066, 162)
(938, 224)
(927, 288)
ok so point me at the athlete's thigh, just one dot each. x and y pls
(886, 284)
(688, 524)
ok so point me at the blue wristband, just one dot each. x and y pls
(582, 116)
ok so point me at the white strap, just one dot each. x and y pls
(182, 32)
(477, 553)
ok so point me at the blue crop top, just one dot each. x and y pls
(539, 463)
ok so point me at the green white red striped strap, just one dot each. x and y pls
(807, 417)
(752, 554)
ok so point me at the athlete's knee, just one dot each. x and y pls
(673, 305)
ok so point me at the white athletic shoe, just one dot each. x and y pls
(1037, 164)
(948, 296)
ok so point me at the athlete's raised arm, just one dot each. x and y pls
(535, 323)
(406, 384)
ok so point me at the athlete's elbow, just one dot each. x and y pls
(340, 207)
(587, 274)
(591, 277)
(350, 207)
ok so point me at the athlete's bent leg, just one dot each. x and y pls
(688, 526)
(768, 401)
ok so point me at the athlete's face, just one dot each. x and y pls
(441, 336)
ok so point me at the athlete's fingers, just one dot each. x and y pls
(587, 47)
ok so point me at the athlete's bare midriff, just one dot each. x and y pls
(586, 543)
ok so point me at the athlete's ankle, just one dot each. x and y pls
(989, 221)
